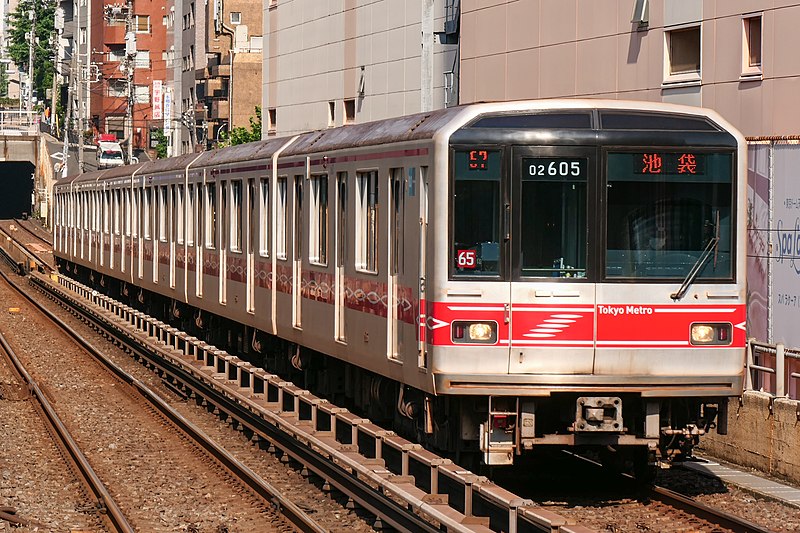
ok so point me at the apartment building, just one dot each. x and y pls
(113, 61)
(229, 80)
(737, 57)
(333, 63)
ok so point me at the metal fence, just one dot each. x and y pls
(18, 123)
(773, 368)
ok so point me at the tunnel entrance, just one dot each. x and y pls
(16, 188)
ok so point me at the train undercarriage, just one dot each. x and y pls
(625, 432)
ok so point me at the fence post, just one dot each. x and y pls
(748, 380)
(780, 377)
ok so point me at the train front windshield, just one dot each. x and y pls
(536, 212)
(666, 210)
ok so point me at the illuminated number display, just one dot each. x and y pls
(478, 159)
(478, 163)
(688, 163)
(544, 168)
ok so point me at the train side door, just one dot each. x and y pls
(552, 294)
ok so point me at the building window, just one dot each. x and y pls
(272, 124)
(236, 17)
(349, 111)
(116, 54)
(318, 225)
(331, 114)
(751, 46)
(141, 94)
(682, 59)
(366, 241)
(117, 88)
(142, 59)
(141, 23)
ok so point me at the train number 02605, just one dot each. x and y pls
(555, 167)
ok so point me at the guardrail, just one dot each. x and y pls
(773, 368)
(18, 123)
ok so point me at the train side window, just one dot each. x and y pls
(318, 224)
(126, 212)
(106, 213)
(341, 235)
(162, 213)
(79, 208)
(264, 217)
(115, 211)
(211, 215)
(366, 236)
(477, 206)
(190, 203)
(396, 182)
(281, 213)
(178, 214)
(298, 217)
(252, 216)
(224, 213)
(136, 200)
(148, 200)
(236, 216)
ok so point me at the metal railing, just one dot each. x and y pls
(773, 368)
(18, 123)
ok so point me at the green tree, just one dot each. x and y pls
(243, 135)
(161, 148)
(19, 23)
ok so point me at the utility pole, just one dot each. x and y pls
(77, 76)
(130, 57)
(31, 58)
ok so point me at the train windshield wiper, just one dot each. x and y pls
(711, 248)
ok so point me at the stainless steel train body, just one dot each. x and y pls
(563, 272)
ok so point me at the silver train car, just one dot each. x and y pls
(491, 279)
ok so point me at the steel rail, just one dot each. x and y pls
(285, 507)
(24, 250)
(24, 224)
(109, 510)
(390, 511)
(709, 514)
(403, 516)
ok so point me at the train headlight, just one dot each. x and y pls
(465, 332)
(711, 334)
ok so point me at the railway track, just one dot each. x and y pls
(107, 509)
(269, 497)
(25, 246)
(404, 471)
(35, 230)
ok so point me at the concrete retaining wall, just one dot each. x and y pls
(763, 433)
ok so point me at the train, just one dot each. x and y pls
(491, 279)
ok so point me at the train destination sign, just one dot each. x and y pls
(669, 163)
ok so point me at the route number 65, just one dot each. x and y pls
(466, 259)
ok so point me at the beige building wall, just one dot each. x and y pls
(517, 49)
(331, 62)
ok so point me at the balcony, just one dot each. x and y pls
(219, 110)
(114, 34)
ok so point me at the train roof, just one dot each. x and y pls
(420, 126)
